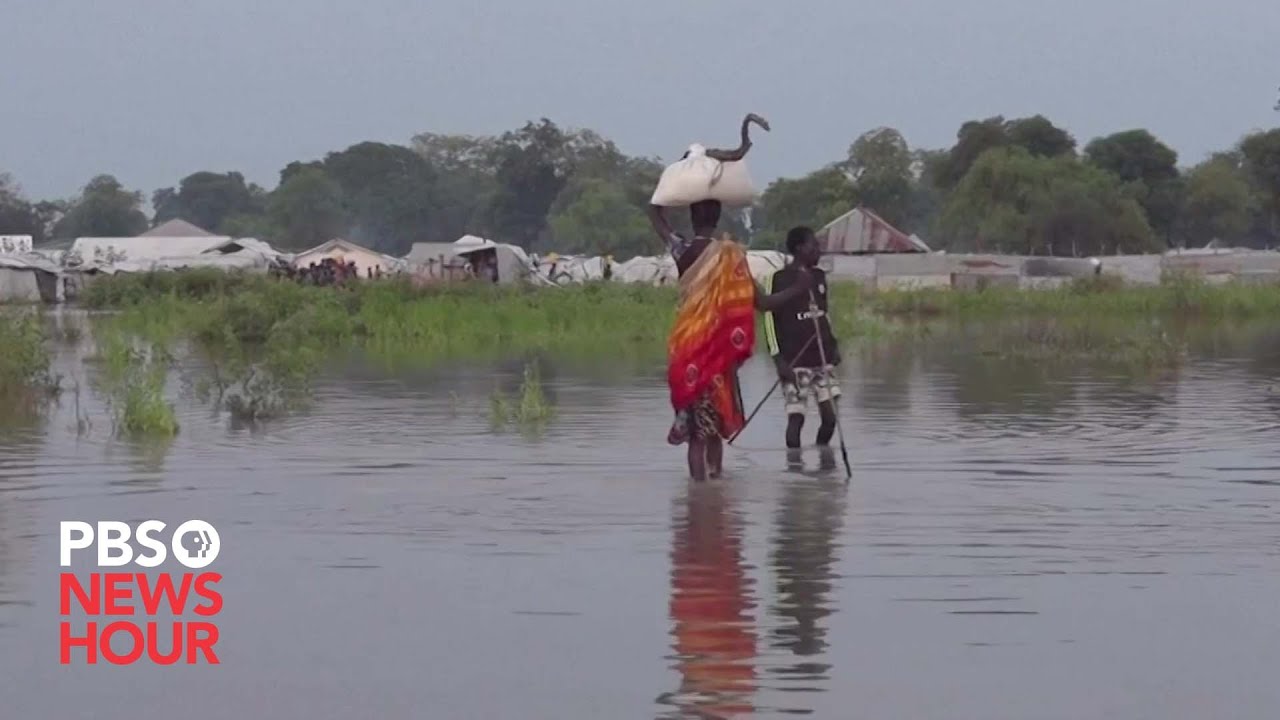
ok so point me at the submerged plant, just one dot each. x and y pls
(499, 409)
(26, 382)
(135, 382)
(534, 409)
(530, 412)
(1134, 346)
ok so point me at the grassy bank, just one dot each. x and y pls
(265, 337)
(391, 317)
(1101, 298)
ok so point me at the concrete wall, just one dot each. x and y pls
(1134, 269)
(905, 270)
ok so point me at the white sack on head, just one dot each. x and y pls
(698, 177)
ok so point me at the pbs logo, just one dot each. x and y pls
(194, 543)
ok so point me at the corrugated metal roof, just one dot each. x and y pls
(862, 231)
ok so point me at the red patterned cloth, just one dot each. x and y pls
(714, 334)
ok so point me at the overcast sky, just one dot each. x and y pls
(152, 90)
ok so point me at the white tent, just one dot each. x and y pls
(764, 263)
(138, 252)
(652, 270)
(29, 278)
(567, 269)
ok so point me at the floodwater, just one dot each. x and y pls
(1017, 541)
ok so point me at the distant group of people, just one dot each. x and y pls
(327, 272)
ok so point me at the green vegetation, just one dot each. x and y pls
(1096, 298)
(133, 380)
(531, 411)
(288, 329)
(25, 379)
(392, 319)
(1004, 185)
(259, 343)
(1123, 344)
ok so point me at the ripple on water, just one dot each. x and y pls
(983, 514)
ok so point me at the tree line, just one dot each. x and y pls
(1017, 185)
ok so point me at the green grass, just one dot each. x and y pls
(134, 384)
(1122, 343)
(26, 382)
(265, 340)
(1098, 298)
(394, 318)
(531, 411)
(599, 319)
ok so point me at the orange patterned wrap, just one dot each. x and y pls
(714, 332)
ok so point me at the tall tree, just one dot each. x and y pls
(532, 167)
(814, 200)
(1012, 201)
(1035, 134)
(387, 194)
(209, 199)
(926, 196)
(466, 182)
(306, 209)
(595, 216)
(1261, 152)
(1040, 137)
(456, 153)
(1151, 169)
(103, 209)
(879, 164)
(974, 138)
(17, 216)
(1217, 204)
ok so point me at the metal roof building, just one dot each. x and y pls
(862, 231)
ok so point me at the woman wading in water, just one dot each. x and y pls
(714, 331)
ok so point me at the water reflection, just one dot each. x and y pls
(20, 447)
(1015, 526)
(807, 526)
(712, 604)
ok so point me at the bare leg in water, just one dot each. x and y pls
(715, 456)
(697, 459)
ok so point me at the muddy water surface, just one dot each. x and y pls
(1016, 542)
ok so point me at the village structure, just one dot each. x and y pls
(858, 246)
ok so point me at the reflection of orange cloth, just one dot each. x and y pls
(714, 332)
(711, 609)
